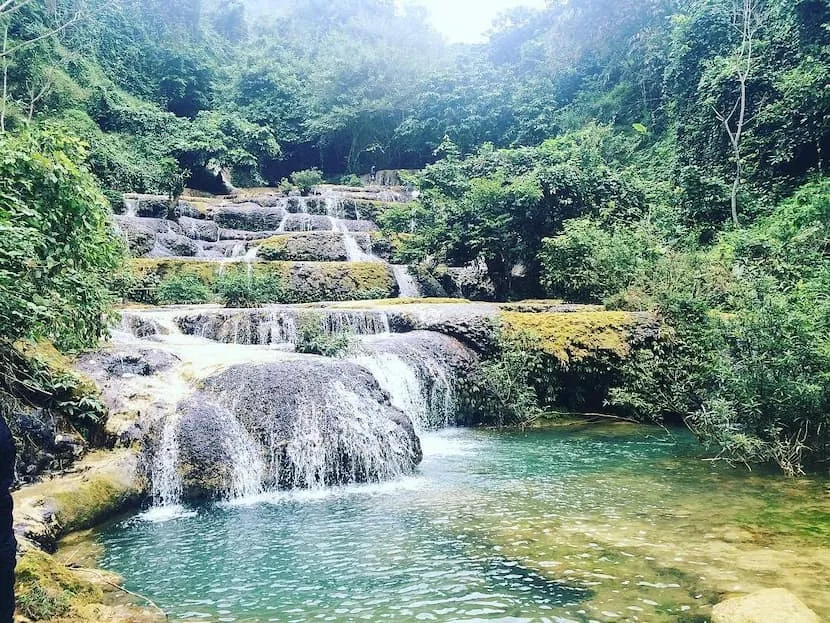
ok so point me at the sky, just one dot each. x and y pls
(466, 21)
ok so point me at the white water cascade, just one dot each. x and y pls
(164, 472)
(417, 376)
(407, 287)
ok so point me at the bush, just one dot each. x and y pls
(306, 180)
(57, 246)
(508, 380)
(238, 289)
(182, 290)
(351, 180)
(313, 339)
(587, 263)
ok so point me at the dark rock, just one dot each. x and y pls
(315, 246)
(306, 222)
(249, 217)
(317, 422)
(175, 245)
(199, 229)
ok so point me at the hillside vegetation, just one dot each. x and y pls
(649, 155)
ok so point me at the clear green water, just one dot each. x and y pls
(602, 524)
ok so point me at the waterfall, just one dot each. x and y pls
(419, 371)
(364, 445)
(407, 286)
(278, 325)
(337, 214)
(131, 206)
(164, 470)
(247, 467)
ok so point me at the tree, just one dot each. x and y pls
(11, 10)
(747, 19)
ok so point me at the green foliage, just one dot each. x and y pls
(314, 340)
(508, 380)
(182, 290)
(57, 246)
(39, 604)
(307, 180)
(238, 289)
(745, 362)
(588, 263)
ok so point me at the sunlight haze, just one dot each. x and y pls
(467, 21)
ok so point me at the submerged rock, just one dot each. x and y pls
(296, 424)
(774, 605)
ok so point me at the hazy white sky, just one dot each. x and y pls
(467, 20)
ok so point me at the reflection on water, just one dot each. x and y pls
(600, 524)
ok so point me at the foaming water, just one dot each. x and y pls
(161, 514)
(608, 524)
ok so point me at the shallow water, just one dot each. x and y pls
(614, 523)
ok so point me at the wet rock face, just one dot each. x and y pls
(136, 362)
(249, 217)
(305, 247)
(199, 229)
(314, 422)
(306, 222)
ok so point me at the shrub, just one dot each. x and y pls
(313, 339)
(351, 180)
(238, 289)
(588, 263)
(306, 180)
(508, 378)
(182, 290)
(57, 246)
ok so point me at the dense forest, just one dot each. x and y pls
(649, 155)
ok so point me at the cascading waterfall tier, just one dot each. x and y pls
(423, 373)
(278, 325)
(298, 424)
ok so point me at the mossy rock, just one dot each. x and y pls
(105, 484)
(304, 247)
(48, 590)
(577, 336)
(302, 282)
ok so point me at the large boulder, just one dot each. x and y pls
(199, 229)
(773, 605)
(312, 423)
(141, 233)
(146, 206)
(306, 222)
(314, 246)
(249, 217)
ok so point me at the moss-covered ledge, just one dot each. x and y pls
(103, 484)
(301, 282)
(576, 336)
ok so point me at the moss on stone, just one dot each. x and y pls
(47, 590)
(398, 302)
(105, 483)
(302, 282)
(307, 246)
(575, 336)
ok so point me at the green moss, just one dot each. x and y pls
(47, 590)
(301, 282)
(571, 337)
(400, 301)
(92, 501)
